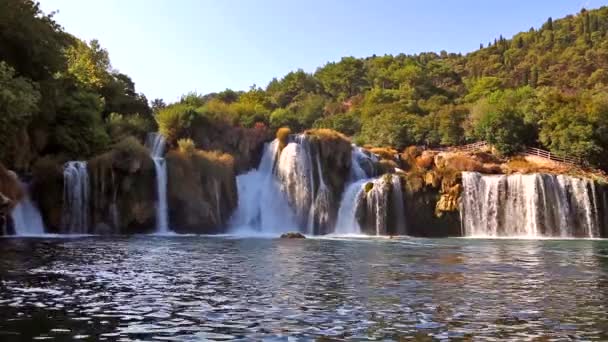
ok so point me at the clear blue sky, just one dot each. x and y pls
(172, 47)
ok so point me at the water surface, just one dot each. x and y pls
(227, 288)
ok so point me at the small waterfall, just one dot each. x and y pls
(75, 217)
(534, 205)
(398, 207)
(347, 222)
(26, 216)
(156, 143)
(363, 164)
(262, 206)
(377, 200)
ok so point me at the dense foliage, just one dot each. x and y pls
(59, 95)
(545, 87)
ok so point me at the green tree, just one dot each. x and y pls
(19, 99)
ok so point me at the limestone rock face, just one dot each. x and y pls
(201, 191)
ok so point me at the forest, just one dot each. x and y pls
(61, 99)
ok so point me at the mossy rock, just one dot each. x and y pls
(293, 235)
(123, 181)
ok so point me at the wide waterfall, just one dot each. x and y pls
(76, 190)
(27, 220)
(535, 205)
(156, 143)
(289, 191)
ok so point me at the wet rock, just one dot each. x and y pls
(293, 235)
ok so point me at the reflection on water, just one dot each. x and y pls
(226, 288)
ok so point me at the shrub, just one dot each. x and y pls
(121, 126)
(175, 120)
(283, 137)
(186, 146)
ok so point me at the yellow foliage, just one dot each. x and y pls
(186, 146)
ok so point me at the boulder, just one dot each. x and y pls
(293, 235)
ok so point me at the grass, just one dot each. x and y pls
(425, 161)
(283, 137)
(384, 152)
(186, 146)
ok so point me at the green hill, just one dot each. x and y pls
(545, 87)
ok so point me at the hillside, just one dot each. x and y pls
(545, 87)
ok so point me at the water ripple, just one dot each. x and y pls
(227, 288)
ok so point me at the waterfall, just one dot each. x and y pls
(347, 222)
(398, 207)
(75, 216)
(363, 164)
(301, 179)
(534, 205)
(26, 216)
(156, 143)
(262, 206)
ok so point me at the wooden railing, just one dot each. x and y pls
(530, 151)
(477, 146)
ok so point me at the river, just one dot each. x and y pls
(231, 288)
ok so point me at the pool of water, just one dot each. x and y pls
(230, 288)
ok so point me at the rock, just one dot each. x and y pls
(293, 235)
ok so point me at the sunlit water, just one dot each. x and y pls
(226, 288)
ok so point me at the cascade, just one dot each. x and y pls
(301, 179)
(156, 143)
(262, 206)
(379, 206)
(398, 207)
(347, 222)
(75, 216)
(535, 205)
(288, 191)
(26, 216)
(363, 165)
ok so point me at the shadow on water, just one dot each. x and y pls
(226, 288)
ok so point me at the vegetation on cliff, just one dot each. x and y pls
(201, 188)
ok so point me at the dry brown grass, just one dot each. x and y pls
(186, 146)
(384, 152)
(326, 134)
(283, 137)
(425, 161)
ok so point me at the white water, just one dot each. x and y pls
(156, 143)
(26, 216)
(76, 190)
(288, 192)
(398, 206)
(535, 205)
(347, 222)
(262, 206)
